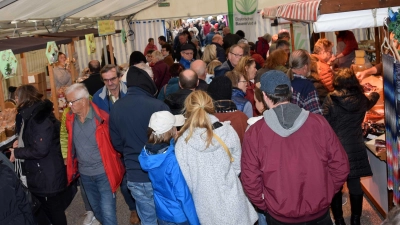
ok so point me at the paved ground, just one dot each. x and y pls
(75, 212)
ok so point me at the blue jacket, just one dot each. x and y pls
(172, 87)
(185, 63)
(129, 121)
(242, 104)
(102, 100)
(209, 38)
(220, 52)
(173, 200)
(222, 69)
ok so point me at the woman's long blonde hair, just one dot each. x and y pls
(197, 107)
(245, 61)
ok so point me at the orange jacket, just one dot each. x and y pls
(325, 73)
(111, 159)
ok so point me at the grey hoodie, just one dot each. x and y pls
(285, 119)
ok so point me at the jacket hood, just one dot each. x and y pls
(285, 119)
(351, 101)
(199, 137)
(153, 155)
(39, 111)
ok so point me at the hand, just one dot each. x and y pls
(12, 157)
(362, 75)
(15, 144)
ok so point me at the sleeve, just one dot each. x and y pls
(338, 163)
(251, 175)
(64, 134)
(115, 137)
(351, 43)
(312, 102)
(248, 110)
(372, 99)
(327, 109)
(42, 135)
(236, 150)
(183, 194)
(182, 161)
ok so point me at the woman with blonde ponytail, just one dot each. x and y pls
(208, 153)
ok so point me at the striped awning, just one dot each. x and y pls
(302, 10)
(270, 12)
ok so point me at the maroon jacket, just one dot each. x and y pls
(161, 74)
(293, 178)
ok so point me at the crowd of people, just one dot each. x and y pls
(241, 133)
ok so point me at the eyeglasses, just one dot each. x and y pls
(163, 50)
(72, 102)
(188, 53)
(111, 79)
(236, 55)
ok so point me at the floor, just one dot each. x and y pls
(76, 211)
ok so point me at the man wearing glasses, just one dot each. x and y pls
(113, 89)
(91, 155)
(234, 56)
(187, 51)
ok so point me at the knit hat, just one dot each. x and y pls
(267, 37)
(139, 78)
(163, 121)
(220, 88)
(187, 47)
(271, 79)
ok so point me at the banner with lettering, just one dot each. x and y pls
(242, 15)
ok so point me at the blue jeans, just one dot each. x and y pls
(261, 219)
(143, 195)
(162, 222)
(101, 198)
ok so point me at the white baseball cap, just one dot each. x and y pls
(163, 121)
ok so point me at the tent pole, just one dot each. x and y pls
(105, 50)
(2, 103)
(23, 63)
(292, 38)
(111, 49)
(377, 45)
(71, 50)
(54, 97)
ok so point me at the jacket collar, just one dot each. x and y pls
(122, 89)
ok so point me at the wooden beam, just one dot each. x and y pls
(110, 47)
(336, 6)
(373, 201)
(377, 46)
(54, 97)
(322, 34)
(23, 64)
(2, 103)
(71, 51)
(292, 37)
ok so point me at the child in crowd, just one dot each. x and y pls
(173, 200)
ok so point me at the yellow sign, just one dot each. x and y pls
(106, 27)
(90, 43)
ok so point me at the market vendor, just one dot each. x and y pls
(62, 72)
(345, 49)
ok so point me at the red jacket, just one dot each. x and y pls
(262, 47)
(206, 28)
(350, 41)
(250, 96)
(161, 74)
(111, 159)
(257, 57)
(293, 178)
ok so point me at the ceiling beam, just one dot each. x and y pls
(5, 3)
(122, 9)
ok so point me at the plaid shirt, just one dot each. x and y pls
(305, 95)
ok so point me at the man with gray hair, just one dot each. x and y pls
(199, 67)
(292, 161)
(91, 155)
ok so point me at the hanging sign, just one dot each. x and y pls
(106, 27)
(242, 15)
(52, 52)
(90, 44)
(8, 63)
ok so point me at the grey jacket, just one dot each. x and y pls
(212, 179)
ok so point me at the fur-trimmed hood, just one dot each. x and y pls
(39, 111)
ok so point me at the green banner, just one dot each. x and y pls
(242, 15)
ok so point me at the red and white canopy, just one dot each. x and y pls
(301, 10)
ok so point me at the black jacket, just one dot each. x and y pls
(345, 111)
(176, 100)
(15, 208)
(93, 83)
(220, 52)
(44, 165)
(230, 39)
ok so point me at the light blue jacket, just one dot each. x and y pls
(172, 197)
